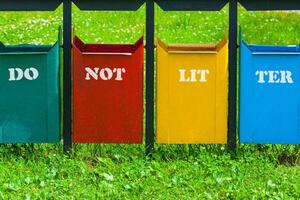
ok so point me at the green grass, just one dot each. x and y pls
(176, 171)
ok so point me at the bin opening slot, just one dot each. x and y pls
(25, 48)
(272, 49)
(192, 52)
(192, 48)
(107, 49)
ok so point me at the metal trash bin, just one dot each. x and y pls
(30, 93)
(108, 92)
(192, 92)
(269, 94)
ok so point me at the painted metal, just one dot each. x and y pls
(269, 94)
(30, 94)
(192, 109)
(108, 108)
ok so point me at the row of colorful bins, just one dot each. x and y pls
(192, 93)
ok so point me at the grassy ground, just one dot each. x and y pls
(177, 171)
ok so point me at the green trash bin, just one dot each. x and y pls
(30, 93)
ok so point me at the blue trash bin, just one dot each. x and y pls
(269, 108)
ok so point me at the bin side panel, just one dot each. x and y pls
(222, 96)
(162, 96)
(53, 90)
(108, 111)
(186, 111)
(23, 111)
(269, 112)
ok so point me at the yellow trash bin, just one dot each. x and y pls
(192, 93)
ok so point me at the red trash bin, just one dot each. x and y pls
(107, 92)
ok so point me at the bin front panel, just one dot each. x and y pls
(191, 96)
(108, 108)
(269, 96)
(29, 103)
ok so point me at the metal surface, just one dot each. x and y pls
(30, 97)
(108, 93)
(232, 95)
(67, 76)
(191, 5)
(269, 95)
(253, 5)
(168, 5)
(192, 90)
(109, 4)
(29, 5)
(149, 77)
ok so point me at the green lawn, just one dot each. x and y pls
(177, 171)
